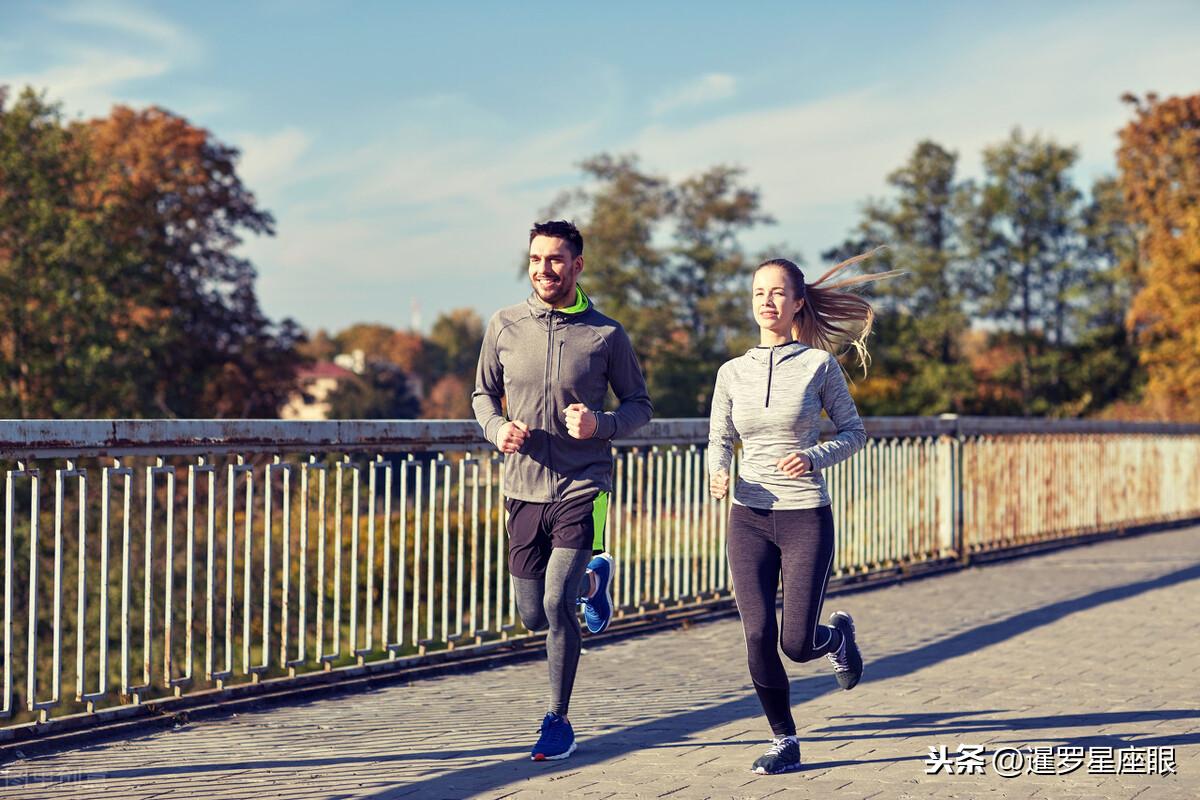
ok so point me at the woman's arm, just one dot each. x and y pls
(721, 432)
(837, 402)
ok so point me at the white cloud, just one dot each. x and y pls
(139, 23)
(88, 84)
(702, 91)
(270, 161)
(97, 44)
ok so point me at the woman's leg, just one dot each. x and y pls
(754, 562)
(805, 539)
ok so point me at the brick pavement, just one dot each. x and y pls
(1095, 646)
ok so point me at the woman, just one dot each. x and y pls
(780, 523)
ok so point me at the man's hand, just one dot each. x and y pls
(794, 465)
(718, 485)
(581, 423)
(512, 436)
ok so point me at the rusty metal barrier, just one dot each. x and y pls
(173, 557)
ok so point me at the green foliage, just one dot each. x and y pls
(916, 351)
(665, 259)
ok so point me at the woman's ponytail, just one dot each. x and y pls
(831, 317)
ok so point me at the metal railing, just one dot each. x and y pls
(168, 557)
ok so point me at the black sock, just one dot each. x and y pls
(777, 705)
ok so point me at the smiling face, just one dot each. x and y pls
(774, 302)
(553, 270)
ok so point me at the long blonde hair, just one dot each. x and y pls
(832, 318)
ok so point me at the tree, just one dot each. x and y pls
(665, 260)
(917, 349)
(1159, 161)
(121, 294)
(450, 398)
(458, 335)
(414, 354)
(180, 208)
(60, 303)
(381, 392)
(1022, 231)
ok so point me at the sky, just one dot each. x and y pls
(404, 148)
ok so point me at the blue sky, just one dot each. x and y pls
(404, 148)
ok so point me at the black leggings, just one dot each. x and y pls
(762, 545)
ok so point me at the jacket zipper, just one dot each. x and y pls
(770, 372)
(551, 414)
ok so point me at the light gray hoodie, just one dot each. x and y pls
(543, 360)
(771, 398)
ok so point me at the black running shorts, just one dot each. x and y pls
(534, 529)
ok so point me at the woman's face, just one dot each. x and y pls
(773, 302)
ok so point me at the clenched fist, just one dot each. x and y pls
(718, 485)
(512, 436)
(794, 465)
(581, 423)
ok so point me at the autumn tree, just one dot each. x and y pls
(61, 310)
(449, 398)
(125, 298)
(1159, 161)
(408, 350)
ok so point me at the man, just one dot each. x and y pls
(554, 357)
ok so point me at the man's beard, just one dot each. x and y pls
(560, 293)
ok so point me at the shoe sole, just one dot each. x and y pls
(612, 572)
(854, 634)
(791, 768)
(559, 757)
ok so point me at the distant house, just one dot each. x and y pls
(314, 385)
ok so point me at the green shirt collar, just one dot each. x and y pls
(581, 302)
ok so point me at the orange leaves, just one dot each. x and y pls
(1159, 158)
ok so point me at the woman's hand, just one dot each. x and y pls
(794, 465)
(718, 485)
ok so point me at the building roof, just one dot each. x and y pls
(323, 369)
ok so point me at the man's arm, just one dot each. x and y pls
(628, 384)
(489, 385)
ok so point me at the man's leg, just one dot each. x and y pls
(566, 578)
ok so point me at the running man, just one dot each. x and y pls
(554, 357)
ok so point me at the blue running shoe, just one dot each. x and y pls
(598, 609)
(557, 740)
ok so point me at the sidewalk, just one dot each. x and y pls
(1091, 647)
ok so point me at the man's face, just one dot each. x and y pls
(553, 271)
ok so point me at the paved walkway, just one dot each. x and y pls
(1093, 647)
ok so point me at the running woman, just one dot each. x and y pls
(780, 523)
(554, 357)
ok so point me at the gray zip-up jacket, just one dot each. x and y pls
(771, 398)
(543, 360)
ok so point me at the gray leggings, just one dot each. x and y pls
(550, 602)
